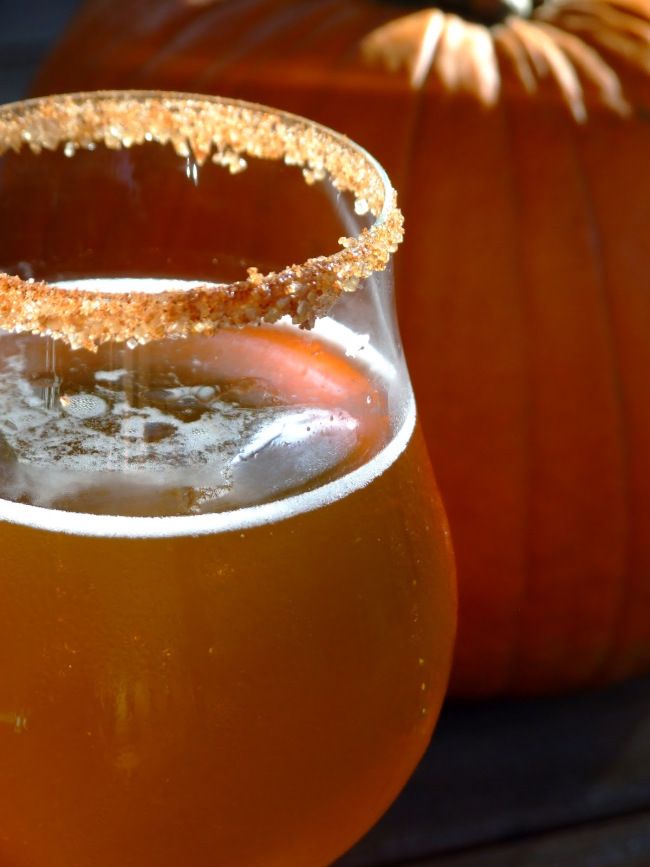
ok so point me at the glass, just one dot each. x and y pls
(226, 601)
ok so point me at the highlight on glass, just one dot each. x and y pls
(226, 596)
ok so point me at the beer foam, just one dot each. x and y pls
(59, 443)
(118, 526)
(185, 447)
(226, 132)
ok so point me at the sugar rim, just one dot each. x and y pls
(226, 131)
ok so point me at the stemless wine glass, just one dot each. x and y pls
(226, 599)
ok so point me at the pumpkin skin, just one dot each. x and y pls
(520, 153)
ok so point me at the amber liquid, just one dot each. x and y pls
(248, 696)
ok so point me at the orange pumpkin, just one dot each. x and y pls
(521, 150)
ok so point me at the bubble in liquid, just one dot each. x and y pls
(83, 406)
(205, 393)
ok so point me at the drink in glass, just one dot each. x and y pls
(226, 600)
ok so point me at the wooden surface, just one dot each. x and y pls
(559, 782)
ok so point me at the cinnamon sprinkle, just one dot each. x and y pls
(225, 132)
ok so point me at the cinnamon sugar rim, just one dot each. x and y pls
(226, 132)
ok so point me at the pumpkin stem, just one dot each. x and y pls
(493, 11)
(483, 11)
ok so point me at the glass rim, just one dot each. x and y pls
(225, 131)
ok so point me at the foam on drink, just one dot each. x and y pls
(168, 440)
